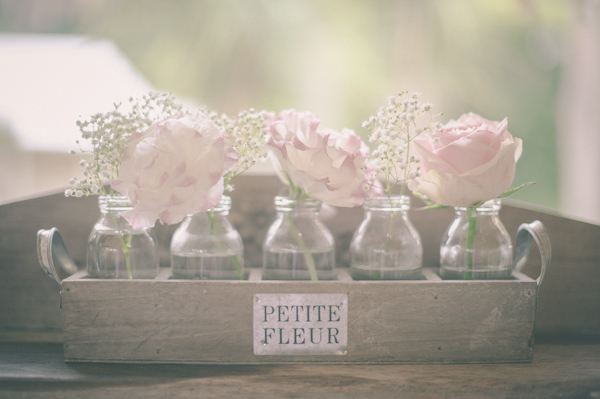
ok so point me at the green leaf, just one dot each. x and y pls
(514, 190)
(431, 205)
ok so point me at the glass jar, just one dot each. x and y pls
(206, 246)
(115, 249)
(386, 245)
(298, 246)
(476, 246)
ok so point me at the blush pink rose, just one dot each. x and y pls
(466, 162)
(173, 169)
(324, 164)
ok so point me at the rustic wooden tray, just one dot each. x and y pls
(252, 321)
(175, 321)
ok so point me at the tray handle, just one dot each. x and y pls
(525, 233)
(51, 250)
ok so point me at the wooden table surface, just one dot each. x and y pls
(559, 370)
(32, 365)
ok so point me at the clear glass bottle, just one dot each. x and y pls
(206, 246)
(298, 246)
(386, 246)
(115, 249)
(476, 246)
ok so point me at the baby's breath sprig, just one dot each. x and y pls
(108, 134)
(391, 132)
(247, 135)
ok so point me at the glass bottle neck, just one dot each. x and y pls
(398, 203)
(488, 208)
(288, 205)
(223, 207)
(111, 207)
(114, 203)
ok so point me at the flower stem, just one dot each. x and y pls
(126, 251)
(297, 193)
(388, 242)
(212, 225)
(237, 267)
(126, 245)
(471, 231)
(310, 262)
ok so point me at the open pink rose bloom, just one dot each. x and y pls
(173, 169)
(324, 163)
(468, 161)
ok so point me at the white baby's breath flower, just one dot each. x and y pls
(247, 135)
(392, 130)
(108, 134)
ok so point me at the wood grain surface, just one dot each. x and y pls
(558, 371)
(569, 299)
(566, 361)
(177, 321)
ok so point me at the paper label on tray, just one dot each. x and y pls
(300, 324)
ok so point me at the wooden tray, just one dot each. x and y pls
(253, 321)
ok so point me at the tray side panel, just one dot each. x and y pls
(211, 321)
(443, 322)
(169, 321)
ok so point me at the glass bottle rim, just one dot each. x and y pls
(286, 204)
(114, 203)
(393, 203)
(224, 204)
(490, 206)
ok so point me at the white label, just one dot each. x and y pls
(300, 324)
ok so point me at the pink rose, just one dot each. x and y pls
(173, 169)
(324, 164)
(468, 161)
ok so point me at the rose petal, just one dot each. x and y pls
(325, 164)
(173, 169)
(468, 161)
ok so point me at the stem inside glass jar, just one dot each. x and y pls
(126, 245)
(212, 218)
(471, 231)
(310, 262)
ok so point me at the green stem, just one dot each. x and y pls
(376, 275)
(126, 245)
(388, 242)
(310, 262)
(471, 231)
(211, 220)
(297, 193)
(238, 267)
(406, 163)
(126, 251)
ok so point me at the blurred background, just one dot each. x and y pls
(535, 62)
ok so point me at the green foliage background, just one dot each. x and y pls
(341, 58)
